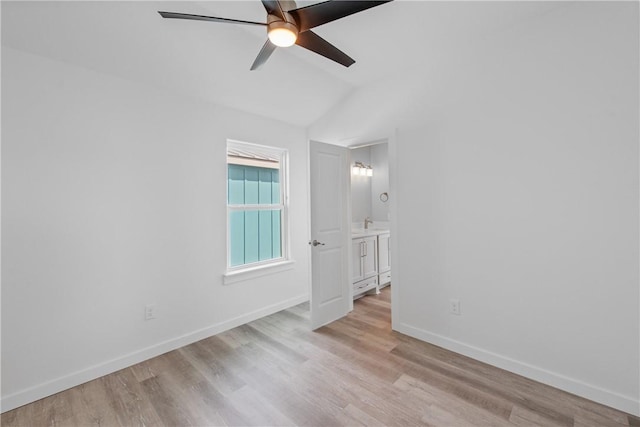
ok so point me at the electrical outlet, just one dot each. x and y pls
(149, 312)
(454, 306)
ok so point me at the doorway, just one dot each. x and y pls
(370, 228)
(370, 191)
(367, 245)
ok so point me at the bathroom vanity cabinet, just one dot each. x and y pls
(365, 264)
(371, 260)
(384, 259)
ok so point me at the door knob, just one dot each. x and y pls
(316, 243)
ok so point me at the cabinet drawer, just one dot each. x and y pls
(385, 278)
(365, 285)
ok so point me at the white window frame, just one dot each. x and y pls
(284, 262)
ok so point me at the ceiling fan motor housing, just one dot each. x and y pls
(275, 22)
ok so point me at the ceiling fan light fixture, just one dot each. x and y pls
(282, 34)
(286, 21)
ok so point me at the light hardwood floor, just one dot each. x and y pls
(275, 371)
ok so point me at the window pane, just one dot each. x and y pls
(265, 186)
(236, 184)
(254, 236)
(275, 186)
(265, 239)
(236, 238)
(251, 185)
(251, 237)
(276, 218)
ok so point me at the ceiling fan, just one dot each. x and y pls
(288, 25)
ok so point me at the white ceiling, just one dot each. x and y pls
(211, 61)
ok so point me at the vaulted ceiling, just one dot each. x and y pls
(211, 61)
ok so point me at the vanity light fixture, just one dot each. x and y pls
(356, 168)
(361, 169)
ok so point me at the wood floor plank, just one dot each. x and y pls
(381, 323)
(220, 411)
(525, 418)
(126, 397)
(168, 401)
(213, 367)
(464, 409)
(525, 388)
(366, 392)
(435, 415)
(274, 346)
(257, 409)
(353, 415)
(362, 354)
(300, 405)
(584, 418)
(457, 381)
(52, 410)
(92, 403)
(275, 371)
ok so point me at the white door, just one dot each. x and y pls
(330, 233)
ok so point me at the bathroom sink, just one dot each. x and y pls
(369, 231)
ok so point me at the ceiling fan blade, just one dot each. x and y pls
(207, 18)
(317, 14)
(274, 7)
(264, 54)
(315, 43)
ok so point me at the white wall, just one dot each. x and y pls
(360, 188)
(519, 161)
(379, 182)
(527, 192)
(113, 198)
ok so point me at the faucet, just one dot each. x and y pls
(367, 221)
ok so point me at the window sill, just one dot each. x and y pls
(255, 272)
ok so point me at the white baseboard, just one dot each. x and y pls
(606, 397)
(57, 385)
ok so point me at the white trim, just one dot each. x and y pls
(57, 385)
(243, 161)
(262, 150)
(637, 412)
(256, 271)
(571, 385)
(369, 144)
(285, 240)
(256, 207)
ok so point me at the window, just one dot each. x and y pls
(256, 205)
